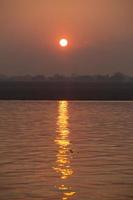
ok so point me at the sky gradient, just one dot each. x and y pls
(100, 33)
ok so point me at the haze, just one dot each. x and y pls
(100, 34)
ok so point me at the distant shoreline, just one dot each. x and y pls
(66, 90)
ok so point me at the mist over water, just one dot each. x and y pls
(66, 150)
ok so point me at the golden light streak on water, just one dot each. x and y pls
(63, 161)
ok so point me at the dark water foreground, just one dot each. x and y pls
(63, 150)
(70, 90)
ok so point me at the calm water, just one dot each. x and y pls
(63, 150)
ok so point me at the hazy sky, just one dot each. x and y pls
(100, 34)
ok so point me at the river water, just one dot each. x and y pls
(66, 150)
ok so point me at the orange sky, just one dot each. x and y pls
(91, 25)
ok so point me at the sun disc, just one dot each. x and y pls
(63, 42)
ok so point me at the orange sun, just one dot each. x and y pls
(63, 42)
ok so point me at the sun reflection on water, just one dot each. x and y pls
(63, 161)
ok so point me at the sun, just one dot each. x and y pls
(63, 42)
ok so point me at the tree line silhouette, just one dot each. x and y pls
(118, 76)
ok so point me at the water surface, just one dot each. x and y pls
(61, 150)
